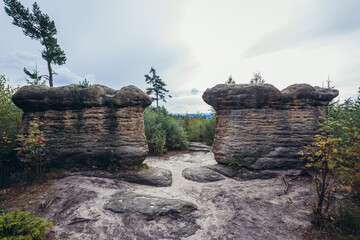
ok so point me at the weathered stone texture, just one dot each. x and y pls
(86, 126)
(268, 126)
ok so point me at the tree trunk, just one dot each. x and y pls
(50, 74)
(157, 101)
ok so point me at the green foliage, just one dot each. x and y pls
(236, 162)
(163, 131)
(347, 218)
(344, 125)
(85, 83)
(157, 87)
(10, 124)
(32, 148)
(35, 77)
(200, 129)
(23, 225)
(38, 26)
(325, 159)
(335, 157)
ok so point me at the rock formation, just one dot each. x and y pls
(267, 126)
(87, 126)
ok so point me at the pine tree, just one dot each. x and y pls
(35, 77)
(158, 87)
(38, 26)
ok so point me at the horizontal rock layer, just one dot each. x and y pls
(87, 126)
(267, 126)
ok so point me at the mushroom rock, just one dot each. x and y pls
(87, 126)
(267, 126)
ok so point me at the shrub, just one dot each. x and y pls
(163, 131)
(200, 129)
(334, 157)
(348, 218)
(10, 124)
(324, 159)
(236, 162)
(32, 149)
(23, 225)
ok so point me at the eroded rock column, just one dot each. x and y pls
(87, 126)
(268, 126)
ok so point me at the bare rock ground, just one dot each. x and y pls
(226, 209)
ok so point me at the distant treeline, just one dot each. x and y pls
(195, 115)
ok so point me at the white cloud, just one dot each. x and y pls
(194, 44)
(66, 76)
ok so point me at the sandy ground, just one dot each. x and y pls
(227, 209)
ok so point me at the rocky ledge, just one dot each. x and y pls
(267, 126)
(87, 126)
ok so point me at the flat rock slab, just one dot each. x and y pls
(201, 174)
(157, 177)
(199, 147)
(150, 206)
(245, 174)
(223, 169)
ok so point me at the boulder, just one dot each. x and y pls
(150, 206)
(87, 126)
(269, 127)
(201, 174)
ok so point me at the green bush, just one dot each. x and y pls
(348, 218)
(10, 123)
(32, 149)
(163, 131)
(23, 225)
(200, 129)
(236, 162)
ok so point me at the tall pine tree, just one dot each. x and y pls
(38, 26)
(157, 87)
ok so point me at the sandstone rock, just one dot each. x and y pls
(150, 206)
(201, 174)
(157, 177)
(268, 126)
(153, 177)
(199, 147)
(86, 126)
(223, 169)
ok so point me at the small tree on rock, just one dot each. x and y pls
(157, 87)
(257, 79)
(230, 81)
(34, 77)
(38, 26)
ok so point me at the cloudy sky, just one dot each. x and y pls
(194, 44)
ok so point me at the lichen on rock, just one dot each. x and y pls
(87, 126)
(268, 126)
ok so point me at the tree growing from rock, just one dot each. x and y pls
(34, 77)
(257, 79)
(38, 26)
(230, 81)
(157, 87)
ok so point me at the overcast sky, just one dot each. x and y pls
(194, 44)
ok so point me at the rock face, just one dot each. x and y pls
(267, 125)
(87, 126)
